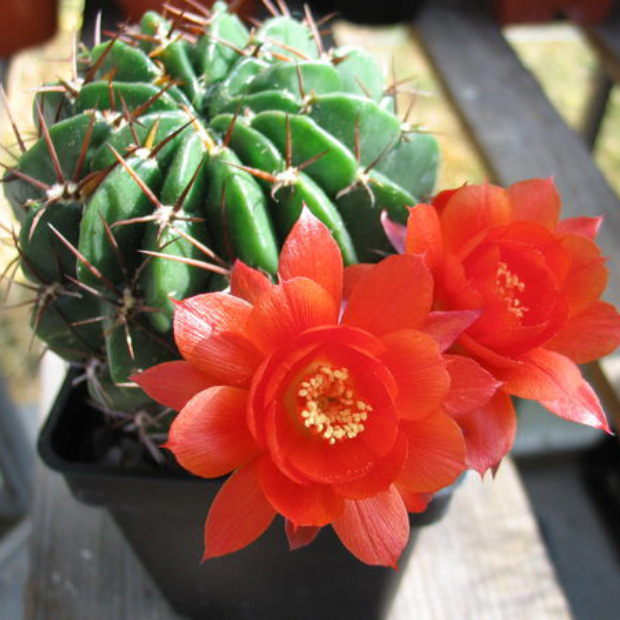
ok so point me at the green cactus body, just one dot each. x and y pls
(183, 145)
(180, 216)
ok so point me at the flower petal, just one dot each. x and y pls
(210, 436)
(239, 514)
(472, 210)
(424, 235)
(302, 505)
(489, 432)
(589, 335)
(436, 456)
(471, 386)
(352, 275)
(446, 327)
(443, 197)
(173, 384)
(346, 461)
(299, 536)
(395, 294)
(310, 251)
(580, 405)
(536, 200)
(585, 226)
(375, 530)
(557, 384)
(587, 277)
(485, 355)
(287, 310)
(210, 331)
(414, 359)
(395, 232)
(382, 474)
(248, 283)
(414, 502)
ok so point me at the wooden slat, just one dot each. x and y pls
(485, 559)
(518, 132)
(605, 38)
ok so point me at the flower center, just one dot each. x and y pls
(508, 288)
(329, 406)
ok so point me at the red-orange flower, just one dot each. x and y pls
(537, 283)
(323, 416)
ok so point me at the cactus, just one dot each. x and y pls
(181, 145)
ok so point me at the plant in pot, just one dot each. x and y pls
(206, 215)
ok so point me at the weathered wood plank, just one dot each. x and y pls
(605, 38)
(484, 560)
(16, 460)
(517, 131)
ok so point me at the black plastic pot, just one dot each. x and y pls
(161, 513)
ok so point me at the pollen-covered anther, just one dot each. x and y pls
(508, 287)
(329, 407)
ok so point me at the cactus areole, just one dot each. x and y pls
(182, 144)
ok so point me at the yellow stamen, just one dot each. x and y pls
(508, 287)
(328, 405)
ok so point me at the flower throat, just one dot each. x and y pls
(328, 405)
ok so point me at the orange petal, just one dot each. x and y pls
(436, 456)
(299, 536)
(210, 331)
(173, 384)
(382, 474)
(486, 356)
(352, 275)
(395, 294)
(248, 283)
(414, 359)
(325, 464)
(587, 277)
(471, 386)
(580, 405)
(287, 310)
(414, 502)
(556, 382)
(210, 436)
(239, 514)
(375, 530)
(593, 333)
(302, 505)
(584, 226)
(442, 198)
(536, 200)
(446, 327)
(472, 210)
(489, 432)
(540, 374)
(311, 252)
(424, 235)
